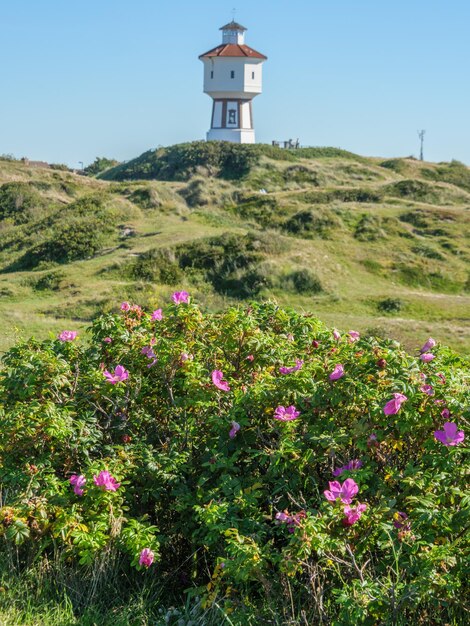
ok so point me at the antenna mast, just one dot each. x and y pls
(421, 134)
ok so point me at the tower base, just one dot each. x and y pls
(234, 135)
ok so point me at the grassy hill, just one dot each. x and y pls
(375, 245)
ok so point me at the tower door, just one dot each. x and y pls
(232, 119)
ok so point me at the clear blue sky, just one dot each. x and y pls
(117, 77)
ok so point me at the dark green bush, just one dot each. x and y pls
(370, 228)
(455, 173)
(427, 252)
(303, 281)
(315, 222)
(156, 266)
(390, 305)
(19, 201)
(78, 231)
(49, 281)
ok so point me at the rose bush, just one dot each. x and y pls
(187, 463)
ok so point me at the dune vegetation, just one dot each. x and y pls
(377, 245)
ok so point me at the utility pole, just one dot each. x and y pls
(421, 134)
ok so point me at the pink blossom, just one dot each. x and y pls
(445, 413)
(427, 389)
(337, 373)
(345, 492)
(106, 481)
(353, 514)
(336, 334)
(120, 374)
(217, 379)
(372, 440)
(352, 465)
(284, 414)
(184, 356)
(429, 345)
(108, 340)
(250, 357)
(427, 357)
(292, 521)
(450, 436)
(146, 557)
(441, 377)
(78, 482)
(125, 306)
(394, 405)
(67, 335)
(234, 430)
(157, 315)
(294, 368)
(180, 297)
(354, 336)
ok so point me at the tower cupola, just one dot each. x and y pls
(233, 33)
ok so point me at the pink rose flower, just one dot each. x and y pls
(180, 297)
(250, 357)
(78, 482)
(67, 335)
(345, 492)
(217, 379)
(352, 465)
(125, 306)
(427, 389)
(336, 335)
(157, 315)
(427, 357)
(337, 373)
(284, 414)
(120, 374)
(234, 430)
(450, 436)
(394, 405)
(290, 370)
(354, 336)
(353, 514)
(106, 482)
(445, 413)
(429, 345)
(108, 340)
(146, 557)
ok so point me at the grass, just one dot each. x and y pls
(366, 229)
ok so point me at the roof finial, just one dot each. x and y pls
(234, 12)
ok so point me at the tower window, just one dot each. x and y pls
(253, 75)
(232, 74)
(212, 74)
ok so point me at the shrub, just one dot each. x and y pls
(100, 164)
(159, 266)
(303, 281)
(78, 231)
(369, 228)
(318, 222)
(427, 252)
(390, 305)
(49, 281)
(168, 431)
(19, 201)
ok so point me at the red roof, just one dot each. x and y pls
(233, 50)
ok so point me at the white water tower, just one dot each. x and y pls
(232, 78)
